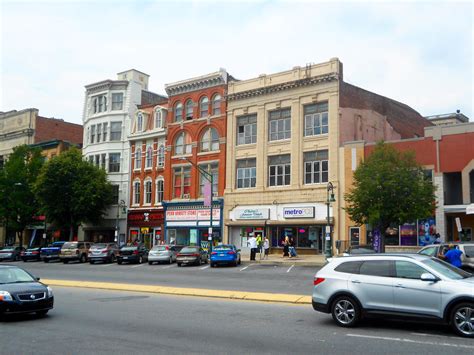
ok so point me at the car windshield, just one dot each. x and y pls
(70, 246)
(14, 275)
(190, 250)
(99, 246)
(447, 270)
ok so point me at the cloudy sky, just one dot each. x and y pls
(419, 53)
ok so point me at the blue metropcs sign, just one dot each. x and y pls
(298, 212)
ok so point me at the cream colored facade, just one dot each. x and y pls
(289, 89)
(16, 128)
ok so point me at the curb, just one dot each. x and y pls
(181, 291)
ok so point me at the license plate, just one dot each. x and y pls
(221, 254)
(125, 257)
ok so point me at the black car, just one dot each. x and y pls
(132, 254)
(31, 254)
(11, 253)
(21, 292)
(192, 255)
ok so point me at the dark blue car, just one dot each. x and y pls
(225, 254)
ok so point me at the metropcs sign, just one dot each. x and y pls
(298, 212)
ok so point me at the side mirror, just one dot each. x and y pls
(428, 277)
(37, 278)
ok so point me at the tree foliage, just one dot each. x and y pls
(389, 188)
(73, 191)
(18, 205)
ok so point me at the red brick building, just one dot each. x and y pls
(196, 139)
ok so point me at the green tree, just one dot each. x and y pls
(389, 188)
(73, 191)
(18, 205)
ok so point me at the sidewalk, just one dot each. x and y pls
(277, 259)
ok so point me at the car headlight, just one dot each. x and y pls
(50, 292)
(5, 296)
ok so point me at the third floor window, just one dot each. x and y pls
(279, 170)
(182, 144)
(316, 167)
(117, 101)
(247, 129)
(316, 119)
(279, 124)
(210, 140)
(99, 103)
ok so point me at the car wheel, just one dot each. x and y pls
(42, 313)
(82, 259)
(213, 265)
(112, 259)
(345, 311)
(240, 261)
(150, 263)
(119, 262)
(46, 260)
(140, 259)
(65, 261)
(462, 319)
(25, 260)
(235, 263)
(179, 264)
(91, 262)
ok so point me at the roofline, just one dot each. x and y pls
(125, 71)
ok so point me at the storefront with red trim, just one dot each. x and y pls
(146, 226)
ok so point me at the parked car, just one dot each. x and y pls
(192, 255)
(358, 249)
(105, 252)
(407, 286)
(72, 251)
(467, 249)
(21, 292)
(163, 253)
(11, 253)
(132, 254)
(31, 254)
(51, 252)
(225, 254)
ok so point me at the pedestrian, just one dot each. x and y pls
(259, 244)
(452, 256)
(291, 248)
(266, 247)
(252, 243)
(286, 246)
(438, 239)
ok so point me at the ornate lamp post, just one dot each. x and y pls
(328, 241)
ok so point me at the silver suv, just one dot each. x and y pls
(408, 286)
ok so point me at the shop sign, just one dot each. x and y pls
(193, 215)
(253, 213)
(145, 230)
(298, 212)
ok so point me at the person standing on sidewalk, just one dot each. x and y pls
(252, 243)
(266, 247)
(286, 246)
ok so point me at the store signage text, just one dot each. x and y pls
(253, 213)
(192, 215)
(298, 212)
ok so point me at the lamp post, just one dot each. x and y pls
(328, 241)
(121, 204)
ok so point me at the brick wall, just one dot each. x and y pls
(51, 128)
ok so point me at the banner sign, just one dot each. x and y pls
(253, 213)
(193, 215)
(298, 212)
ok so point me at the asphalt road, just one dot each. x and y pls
(103, 322)
(250, 277)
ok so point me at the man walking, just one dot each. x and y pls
(252, 243)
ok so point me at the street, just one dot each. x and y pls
(245, 277)
(101, 322)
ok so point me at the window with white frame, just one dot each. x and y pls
(204, 107)
(99, 132)
(139, 122)
(148, 191)
(114, 162)
(211, 168)
(91, 159)
(149, 156)
(136, 193)
(316, 119)
(246, 173)
(117, 101)
(247, 129)
(161, 156)
(115, 131)
(158, 118)
(279, 124)
(189, 109)
(160, 190)
(115, 194)
(105, 127)
(210, 140)
(88, 135)
(178, 112)
(182, 144)
(97, 160)
(181, 182)
(93, 134)
(103, 158)
(216, 105)
(279, 170)
(316, 167)
(138, 159)
(99, 103)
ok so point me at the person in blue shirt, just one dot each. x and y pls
(453, 256)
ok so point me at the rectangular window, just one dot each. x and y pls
(97, 160)
(105, 127)
(91, 159)
(279, 124)
(117, 101)
(115, 194)
(212, 168)
(149, 156)
(316, 119)
(99, 132)
(93, 134)
(246, 173)
(102, 160)
(114, 162)
(247, 129)
(99, 103)
(181, 182)
(136, 193)
(148, 192)
(279, 170)
(160, 188)
(115, 131)
(316, 167)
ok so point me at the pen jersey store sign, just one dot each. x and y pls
(298, 212)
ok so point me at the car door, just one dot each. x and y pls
(413, 295)
(430, 251)
(373, 285)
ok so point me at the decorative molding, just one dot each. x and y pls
(199, 83)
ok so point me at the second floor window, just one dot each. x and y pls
(279, 170)
(115, 131)
(316, 167)
(316, 119)
(99, 132)
(279, 124)
(136, 193)
(138, 159)
(246, 173)
(103, 157)
(211, 168)
(149, 156)
(204, 107)
(182, 144)
(148, 189)
(140, 122)
(105, 127)
(247, 129)
(117, 101)
(114, 162)
(210, 140)
(160, 189)
(93, 134)
(161, 156)
(181, 182)
(216, 105)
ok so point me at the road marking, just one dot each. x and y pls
(405, 340)
(105, 265)
(434, 335)
(133, 267)
(204, 268)
(168, 266)
(244, 268)
(291, 267)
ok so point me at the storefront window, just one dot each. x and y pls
(303, 236)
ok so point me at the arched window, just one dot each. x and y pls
(216, 104)
(210, 140)
(204, 107)
(178, 112)
(161, 156)
(149, 156)
(182, 144)
(189, 109)
(158, 119)
(160, 189)
(136, 193)
(138, 158)
(139, 122)
(147, 192)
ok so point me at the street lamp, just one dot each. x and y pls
(328, 242)
(209, 177)
(121, 204)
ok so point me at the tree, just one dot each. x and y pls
(18, 205)
(73, 191)
(389, 188)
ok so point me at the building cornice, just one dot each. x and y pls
(198, 83)
(106, 85)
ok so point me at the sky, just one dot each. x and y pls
(416, 52)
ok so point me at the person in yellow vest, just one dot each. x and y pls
(259, 243)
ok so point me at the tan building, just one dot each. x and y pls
(284, 131)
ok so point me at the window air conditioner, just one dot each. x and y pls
(185, 195)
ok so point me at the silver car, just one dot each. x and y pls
(162, 253)
(408, 286)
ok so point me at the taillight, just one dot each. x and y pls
(195, 254)
(135, 252)
(167, 248)
(35, 252)
(178, 254)
(214, 253)
(22, 253)
(318, 280)
(231, 252)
